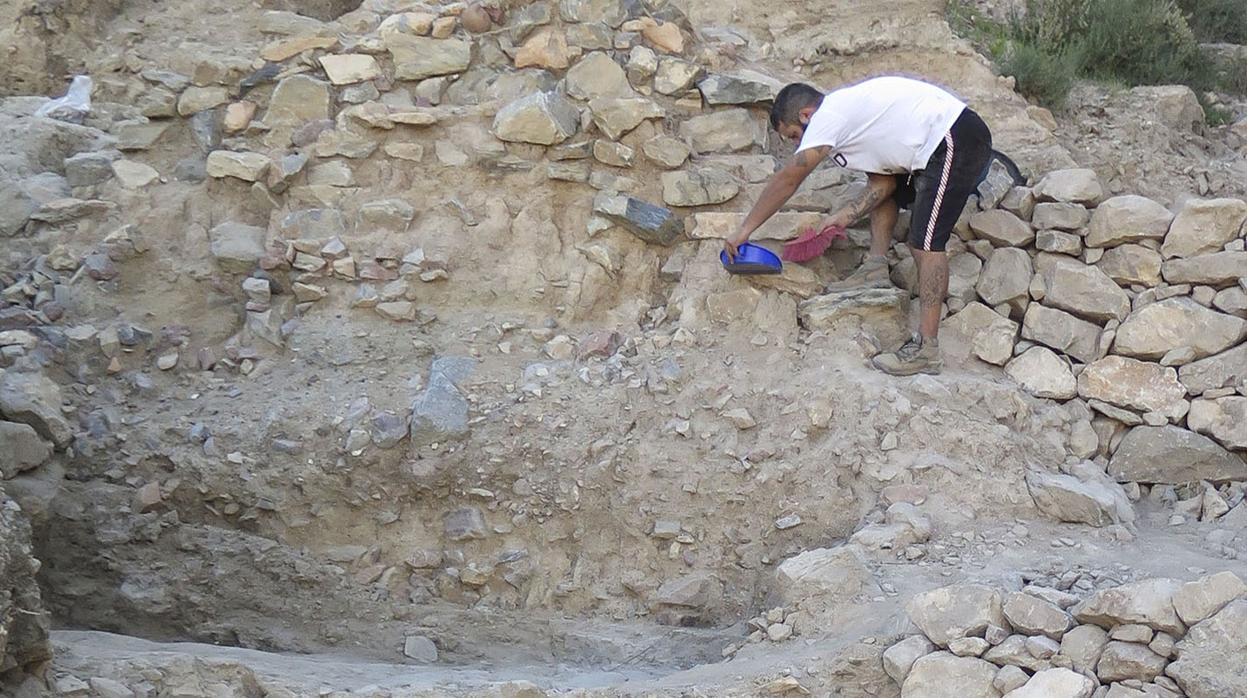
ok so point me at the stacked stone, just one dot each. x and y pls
(1158, 637)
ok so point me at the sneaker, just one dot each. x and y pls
(915, 356)
(872, 274)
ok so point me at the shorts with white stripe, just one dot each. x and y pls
(942, 188)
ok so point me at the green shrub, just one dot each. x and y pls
(1142, 42)
(1217, 21)
(1045, 77)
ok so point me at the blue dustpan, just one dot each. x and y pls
(752, 259)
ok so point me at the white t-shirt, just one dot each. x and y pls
(885, 125)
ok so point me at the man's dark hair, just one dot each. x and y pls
(791, 100)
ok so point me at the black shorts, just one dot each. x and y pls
(937, 193)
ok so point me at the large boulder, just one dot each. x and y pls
(1223, 370)
(1061, 331)
(1204, 226)
(1149, 602)
(1172, 455)
(1210, 658)
(1134, 384)
(991, 336)
(1158, 328)
(1127, 218)
(817, 579)
(1068, 499)
(1034, 616)
(1006, 277)
(1201, 599)
(960, 610)
(1224, 419)
(1001, 228)
(1078, 186)
(32, 399)
(1084, 291)
(1122, 661)
(1055, 683)
(943, 675)
(1216, 269)
(1083, 646)
(1043, 374)
(899, 658)
(543, 118)
(1132, 264)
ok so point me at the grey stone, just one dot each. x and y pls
(1061, 331)
(613, 154)
(1209, 663)
(1221, 370)
(34, 400)
(1061, 216)
(1006, 278)
(597, 75)
(1215, 269)
(440, 412)
(1172, 455)
(23, 449)
(665, 151)
(616, 116)
(1121, 661)
(88, 169)
(743, 87)
(698, 187)
(1079, 186)
(1149, 602)
(1058, 242)
(1131, 264)
(1055, 683)
(420, 648)
(698, 590)
(960, 610)
(1001, 228)
(1204, 226)
(1197, 601)
(313, 224)
(420, 57)
(1224, 419)
(675, 76)
(881, 310)
(1084, 291)
(1032, 615)
(462, 524)
(138, 135)
(1232, 301)
(1158, 328)
(1043, 374)
(991, 336)
(544, 118)
(1134, 384)
(645, 220)
(1083, 646)
(387, 429)
(1127, 219)
(722, 131)
(296, 100)
(899, 658)
(1068, 499)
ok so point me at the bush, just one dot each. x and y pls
(1217, 21)
(1041, 75)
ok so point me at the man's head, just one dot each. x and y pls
(794, 105)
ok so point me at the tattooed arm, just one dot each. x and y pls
(878, 189)
(781, 188)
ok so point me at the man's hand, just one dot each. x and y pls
(731, 245)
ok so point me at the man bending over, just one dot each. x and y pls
(920, 147)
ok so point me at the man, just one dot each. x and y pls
(920, 147)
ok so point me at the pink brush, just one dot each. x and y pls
(811, 243)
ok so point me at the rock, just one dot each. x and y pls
(1174, 106)
(899, 658)
(613, 154)
(1204, 226)
(440, 412)
(1173, 455)
(1006, 277)
(318, 223)
(942, 675)
(665, 151)
(1035, 616)
(1071, 500)
(138, 135)
(1232, 301)
(23, 449)
(1078, 186)
(722, 131)
(597, 75)
(34, 400)
(743, 87)
(350, 68)
(1043, 374)
(823, 574)
(544, 118)
(1224, 369)
(1084, 291)
(1199, 600)
(1127, 219)
(675, 76)
(1009, 678)
(1083, 646)
(1061, 216)
(1131, 264)
(420, 648)
(698, 590)
(1061, 331)
(991, 336)
(1209, 658)
(961, 610)
(545, 49)
(418, 57)
(617, 116)
(108, 688)
(86, 169)
(1224, 419)
(1156, 329)
(1001, 228)
(464, 524)
(249, 167)
(796, 279)
(968, 646)
(1133, 384)
(664, 36)
(1055, 683)
(1126, 660)
(1216, 269)
(134, 175)
(698, 187)
(882, 311)
(197, 99)
(297, 100)
(1058, 242)
(647, 221)
(781, 226)
(1148, 602)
